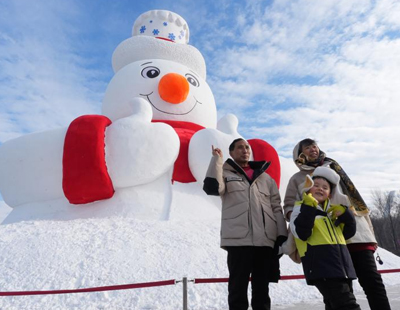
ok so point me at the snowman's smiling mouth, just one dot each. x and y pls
(184, 113)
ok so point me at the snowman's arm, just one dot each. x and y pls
(201, 142)
(222, 137)
(264, 151)
(85, 175)
(57, 163)
(30, 167)
(100, 156)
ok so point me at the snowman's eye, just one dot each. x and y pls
(192, 80)
(150, 72)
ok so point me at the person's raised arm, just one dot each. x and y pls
(216, 151)
(214, 183)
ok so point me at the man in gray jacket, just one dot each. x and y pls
(252, 223)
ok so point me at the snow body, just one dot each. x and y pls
(157, 98)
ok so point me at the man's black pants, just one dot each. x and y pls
(337, 294)
(243, 262)
(370, 279)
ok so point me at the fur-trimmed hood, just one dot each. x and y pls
(337, 197)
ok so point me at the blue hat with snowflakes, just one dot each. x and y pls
(159, 34)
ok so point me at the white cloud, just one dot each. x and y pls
(47, 84)
(328, 71)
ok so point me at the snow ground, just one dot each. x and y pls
(392, 291)
(52, 255)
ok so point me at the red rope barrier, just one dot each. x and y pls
(292, 277)
(210, 280)
(142, 285)
(221, 280)
(389, 271)
(92, 289)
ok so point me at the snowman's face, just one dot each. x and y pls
(174, 92)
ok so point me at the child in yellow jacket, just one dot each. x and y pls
(320, 230)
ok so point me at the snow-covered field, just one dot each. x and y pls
(81, 253)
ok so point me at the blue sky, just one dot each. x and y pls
(288, 69)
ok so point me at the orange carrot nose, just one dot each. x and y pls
(173, 88)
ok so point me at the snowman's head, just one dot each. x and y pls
(157, 64)
(174, 91)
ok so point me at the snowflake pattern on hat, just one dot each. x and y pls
(156, 32)
(152, 40)
(171, 36)
(162, 24)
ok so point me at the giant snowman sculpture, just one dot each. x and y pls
(149, 149)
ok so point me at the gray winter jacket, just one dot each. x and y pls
(365, 230)
(251, 209)
(293, 193)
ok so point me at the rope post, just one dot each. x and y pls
(184, 286)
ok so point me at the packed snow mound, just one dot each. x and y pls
(109, 214)
(81, 253)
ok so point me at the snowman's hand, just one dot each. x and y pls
(141, 108)
(137, 150)
(228, 124)
(199, 150)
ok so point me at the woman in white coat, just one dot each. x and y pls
(307, 156)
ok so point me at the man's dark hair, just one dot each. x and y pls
(232, 146)
(304, 143)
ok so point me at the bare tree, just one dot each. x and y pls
(386, 219)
